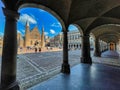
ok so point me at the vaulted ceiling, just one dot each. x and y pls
(108, 32)
(87, 14)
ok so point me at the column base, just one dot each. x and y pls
(13, 86)
(86, 60)
(65, 68)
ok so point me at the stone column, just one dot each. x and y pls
(100, 46)
(97, 48)
(108, 46)
(8, 70)
(65, 65)
(85, 54)
(115, 47)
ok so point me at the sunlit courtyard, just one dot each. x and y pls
(33, 68)
(59, 45)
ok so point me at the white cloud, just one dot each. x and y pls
(23, 31)
(56, 24)
(26, 17)
(18, 31)
(52, 31)
(46, 33)
(41, 10)
(1, 33)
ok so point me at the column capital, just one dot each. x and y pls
(64, 31)
(86, 35)
(10, 14)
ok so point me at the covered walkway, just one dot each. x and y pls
(84, 77)
(99, 17)
(110, 54)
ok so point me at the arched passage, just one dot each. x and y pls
(99, 14)
(107, 33)
(65, 65)
(85, 46)
(5, 83)
(74, 37)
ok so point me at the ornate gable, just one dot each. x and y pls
(35, 34)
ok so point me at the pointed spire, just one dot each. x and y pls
(27, 23)
(42, 38)
(27, 34)
(42, 29)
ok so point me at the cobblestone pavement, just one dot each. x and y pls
(33, 68)
(37, 67)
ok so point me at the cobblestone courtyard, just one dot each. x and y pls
(37, 67)
(33, 68)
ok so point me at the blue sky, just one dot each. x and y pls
(36, 17)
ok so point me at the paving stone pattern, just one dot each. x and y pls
(33, 68)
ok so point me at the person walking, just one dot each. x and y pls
(35, 50)
(39, 49)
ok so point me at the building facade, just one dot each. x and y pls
(33, 37)
(57, 41)
(74, 40)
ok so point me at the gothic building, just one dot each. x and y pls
(20, 40)
(32, 37)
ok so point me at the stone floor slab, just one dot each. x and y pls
(84, 77)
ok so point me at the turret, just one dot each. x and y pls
(42, 38)
(27, 34)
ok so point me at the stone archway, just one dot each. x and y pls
(9, 82)
(65, 65)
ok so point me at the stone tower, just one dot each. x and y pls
(20, 41)
(27, 35)
(42, 38)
